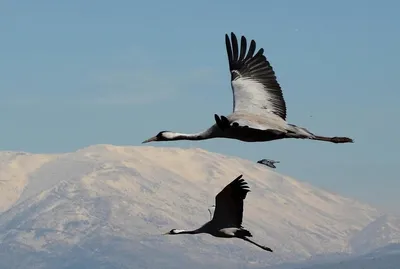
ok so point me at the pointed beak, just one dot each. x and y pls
(154, 138)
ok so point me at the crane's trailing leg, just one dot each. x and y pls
(335, 139)
(258, 245)
(244, 234)
(303, 133)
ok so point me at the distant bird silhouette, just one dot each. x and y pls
(259, 109)
(268, 162)
(228, 215)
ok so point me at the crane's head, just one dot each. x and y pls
(161, 136)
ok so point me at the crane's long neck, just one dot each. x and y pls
(186, 232)
(207, 134)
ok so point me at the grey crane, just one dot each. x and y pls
(228, 215)
(259, 109)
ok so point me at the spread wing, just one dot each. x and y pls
(229, 204)
(254, 85)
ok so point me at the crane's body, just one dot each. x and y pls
(259, 109)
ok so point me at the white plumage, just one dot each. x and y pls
(252, 97)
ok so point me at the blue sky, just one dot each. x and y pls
(78, 73)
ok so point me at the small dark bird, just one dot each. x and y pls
(228, 215)
(268, 162)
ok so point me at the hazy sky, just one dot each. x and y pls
(77, 73)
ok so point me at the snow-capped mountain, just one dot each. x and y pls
(107, 206)
(15, 168)
(383, 231)
(387, 257)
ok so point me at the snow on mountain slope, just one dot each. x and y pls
(387, 257)
(14, 171)
(383, 231)
(110, 204)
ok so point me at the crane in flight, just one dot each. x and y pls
(228, 215)
(259, 109)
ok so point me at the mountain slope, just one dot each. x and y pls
(110, 204)
(14, 171)
(387, 257)
(383, 231)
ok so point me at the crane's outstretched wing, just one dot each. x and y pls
(229, 204)
(254, 85)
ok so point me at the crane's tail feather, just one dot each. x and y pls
(258, 245)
